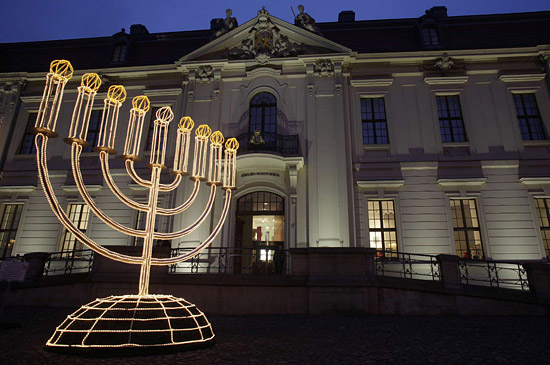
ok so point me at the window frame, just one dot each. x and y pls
(15, 230)
(65, 236)
(263, 107)
(449, 119)
(374, 120)
(97, 130)
(27, 135)
(543, 229)
(527, 117)
(479, 229)
(120, 50)
(430, 30)
(382, 229)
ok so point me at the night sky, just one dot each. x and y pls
(35, 20)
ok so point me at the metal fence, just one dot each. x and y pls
(269, 142)
(231, 260)
(493, 274)
(407, 265)
(68, 262)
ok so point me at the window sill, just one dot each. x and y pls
(538, 142)
(376, 147)
(455, 144)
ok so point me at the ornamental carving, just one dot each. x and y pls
(205, 73)
(265, 41)
(444, 63)
(323, 67)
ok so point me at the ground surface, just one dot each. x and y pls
(313, 340)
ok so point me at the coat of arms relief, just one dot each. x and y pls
(265, 41)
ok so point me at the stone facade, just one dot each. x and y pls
(319, 83)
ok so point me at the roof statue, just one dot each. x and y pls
(304, 20)
(227, 24)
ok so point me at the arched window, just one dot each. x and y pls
(263, 114)
(430, 36)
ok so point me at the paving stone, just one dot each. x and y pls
(313, 340)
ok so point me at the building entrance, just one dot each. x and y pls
(260, 233)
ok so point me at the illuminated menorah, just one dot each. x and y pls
(143, 320)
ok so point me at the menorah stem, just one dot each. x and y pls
(150, 230)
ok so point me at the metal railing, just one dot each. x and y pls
(269, 142)
(69, 262)
(230, 260)
(407, 265)
(496, 274)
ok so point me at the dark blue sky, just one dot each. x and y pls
(33, 20)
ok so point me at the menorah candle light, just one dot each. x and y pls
(61, 71)
(195, 329)
(140, 107)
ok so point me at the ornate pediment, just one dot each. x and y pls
(263, 38)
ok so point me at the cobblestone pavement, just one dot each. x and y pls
(313, 340)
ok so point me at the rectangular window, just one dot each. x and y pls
(467, 231)
(119, 53)
(151, 128)
(451, 123)
(382, 226)
(27, 144)
(11, 213)
(93, 130)
(373, 115)
(429, 35)
(543, 212)
(530, 122)
(78, 214)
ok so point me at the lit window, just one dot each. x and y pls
(373, 115)
(530, 122)
(429, 36)
(263, 116)
(11, 213)
(151, 128)
(27, 144)
(451, 124)
(119, 53)
(78, 214)
(543, 212)
(466, 228)
(382, 227)
(93, 130)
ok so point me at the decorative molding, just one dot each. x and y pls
(371, 82)
(529, 181)
(380, 184)
(17, 189)
(205, 74)
(446, 80)
(138, 188)
(323, 67)
(263, 71)
(476, 181)
(74, 189)
(162, 92)
(32, 98)
(522, 78)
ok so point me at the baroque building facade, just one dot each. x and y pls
(425, 135)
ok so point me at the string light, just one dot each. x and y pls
(74, 332)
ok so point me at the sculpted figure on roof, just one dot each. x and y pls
(227, 24)
(304, 20)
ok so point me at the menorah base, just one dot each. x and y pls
(132, 325)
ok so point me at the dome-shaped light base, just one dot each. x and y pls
(132, 324)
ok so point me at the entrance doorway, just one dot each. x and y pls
(260, 233)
